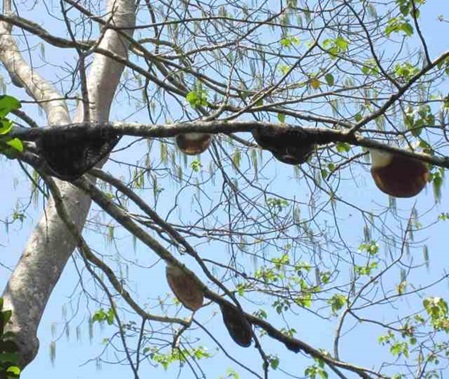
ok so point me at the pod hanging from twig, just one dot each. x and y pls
(185, 288)
(238, 326)
(398, 175)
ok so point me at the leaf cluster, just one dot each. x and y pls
(9, 352)
(8, 146)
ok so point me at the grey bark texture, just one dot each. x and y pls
(50, 245)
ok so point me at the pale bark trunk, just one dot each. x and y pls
(50, 244)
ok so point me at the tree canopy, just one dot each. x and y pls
(258, 184)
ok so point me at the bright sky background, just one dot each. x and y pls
(73, 353)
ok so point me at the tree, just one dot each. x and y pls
(281, 220)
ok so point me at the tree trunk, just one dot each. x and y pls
(50, 244)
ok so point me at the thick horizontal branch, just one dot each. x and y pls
(320, 136)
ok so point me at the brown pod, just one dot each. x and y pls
(186, 289)
(193, 143)
(288, 145)
(238, 326)
(398, 175)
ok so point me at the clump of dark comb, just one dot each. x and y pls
(238, 326)
(73, 151)
(288, 145)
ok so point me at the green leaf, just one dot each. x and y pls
(9, 357)
(5, 127)
(371, 247)
(285, 42)
(281, 117)
(343, 147)
(330, 80)
(110, 316)
(397, 25)
(336, 46)
(13, 370)
(370, 67)
(337, 302)
(6, 316)
(197, 98)
(399, 348)
(289, 41)
(99, 316)
(406, 70)
(342, 43)
(192, 97)
(435, 306)
(8, 104)
(16, 144)
(196, 165)
(232, 374)
(284, 69)
(274, 362)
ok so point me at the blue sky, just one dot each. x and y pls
(75, 349)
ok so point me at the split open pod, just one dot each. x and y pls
(238, 326)
(185, 288)
(193, 143)
(398, 175)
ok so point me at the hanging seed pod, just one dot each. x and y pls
(74, 151)
(185, 288)
(193, 143)
(238, 326)
(398, 175)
